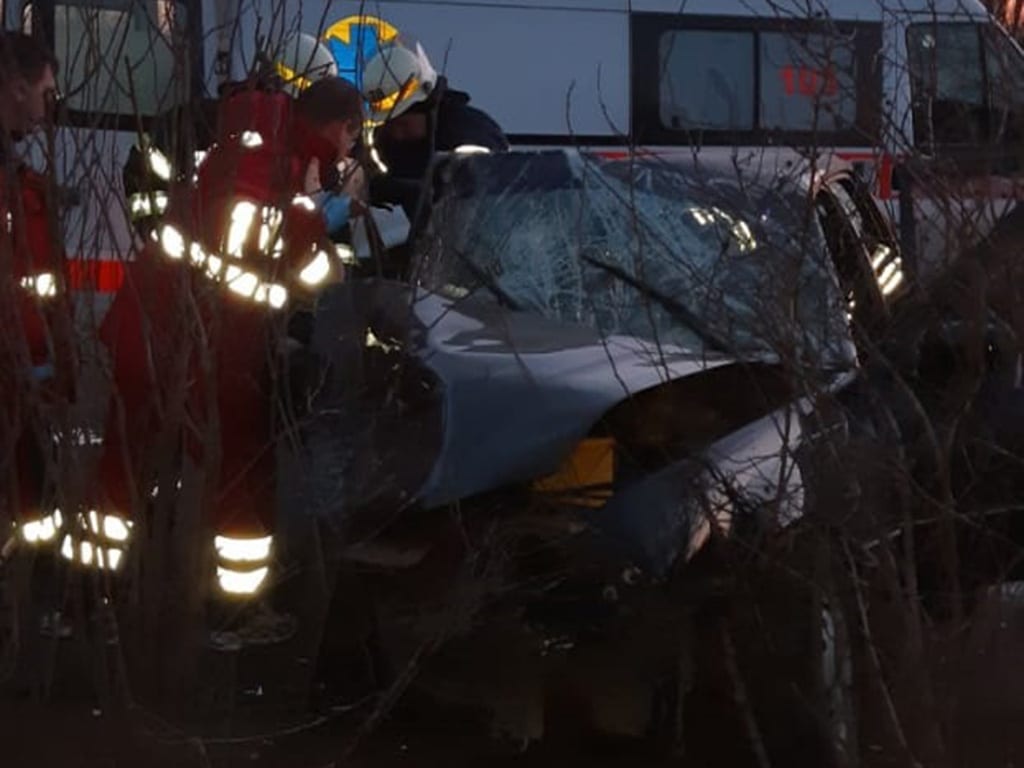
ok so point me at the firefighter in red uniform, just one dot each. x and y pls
(36, 366)
(237, 250)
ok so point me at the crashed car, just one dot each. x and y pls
(595, 368)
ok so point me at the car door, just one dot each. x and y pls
(865, 252)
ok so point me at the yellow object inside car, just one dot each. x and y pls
(585, 477)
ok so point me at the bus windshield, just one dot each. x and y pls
(967, 82)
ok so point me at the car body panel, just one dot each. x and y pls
(518, 389)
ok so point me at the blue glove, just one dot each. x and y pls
(42, 372)
(334, 208)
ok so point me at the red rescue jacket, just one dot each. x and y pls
(37, 268)
(247, 211)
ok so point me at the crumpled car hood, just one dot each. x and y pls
(519, 390)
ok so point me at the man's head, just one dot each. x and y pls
(402, 87)
(28, 85)
(408, 127)
(333, 107)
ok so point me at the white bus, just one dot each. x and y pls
(877, 80)
(882, 82)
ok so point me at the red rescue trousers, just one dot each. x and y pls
(29, 384)
(36, 355)
(191, 363)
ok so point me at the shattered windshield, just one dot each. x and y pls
(639, 249)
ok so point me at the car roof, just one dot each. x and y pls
(761, 167)
(764, 167)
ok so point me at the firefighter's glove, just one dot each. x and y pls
(335, 209)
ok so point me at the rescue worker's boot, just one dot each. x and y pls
(253, 623)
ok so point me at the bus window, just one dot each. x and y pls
(967, 82)
(948, 83)
(808, 82)
(121, 58)
(724, 80)
(707, 80)
(1004, 66)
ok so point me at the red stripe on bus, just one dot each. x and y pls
(886, 163)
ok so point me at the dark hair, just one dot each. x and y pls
(329, 99)
(24, 56)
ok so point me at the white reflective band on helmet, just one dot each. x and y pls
(243, 563)
(41, 284)
(317, 270)
(159, 164)
(471, 149)
(143, 204)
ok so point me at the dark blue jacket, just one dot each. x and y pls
(452, 122)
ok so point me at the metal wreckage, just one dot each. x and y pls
(596, 375)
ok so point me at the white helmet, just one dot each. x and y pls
(396, 78)
(303, 59)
